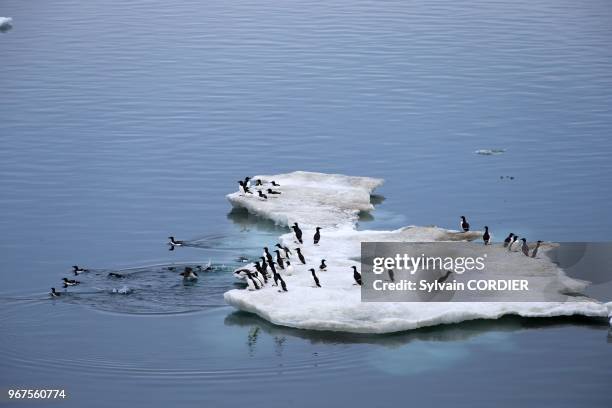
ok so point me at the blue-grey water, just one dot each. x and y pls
(124, 122)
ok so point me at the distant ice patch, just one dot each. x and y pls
(333, 202)
(6, 23)
(489, 152)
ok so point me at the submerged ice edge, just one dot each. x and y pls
(337, 306)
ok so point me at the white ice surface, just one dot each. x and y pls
(334, 201)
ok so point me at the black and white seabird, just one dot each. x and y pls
(275, 184)
(356, 275)
(78, 270)
(317, 236)
(535, 250)
(262, 195)
(283, 284)
(252, 283)
(115, 275)
(175, 242)
(279, 260)
(314, 276)
(514, 239)
(189, 274)
(486, 237)
(264, 264)
(247, 182)
(465, 226)
(323, 267)
(270, 191)
(297, 231)
(54, 293)
(70, 282)
(508, 240)
(391, 275)
(288, 268)
(443, 279)
(524, 247)
(300, 256)
(268, 256)
(258, 183)
(244, 188)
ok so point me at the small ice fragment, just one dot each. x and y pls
(489, 152)
(6, 23)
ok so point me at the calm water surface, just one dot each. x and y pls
(124, 122)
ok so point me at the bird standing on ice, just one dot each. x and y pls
(525, 247)
(288, 268)
(323, 267)
(279, 260)
(465, 226)
(300, 256)
(314, 276)
(273, 192)
(298, 232)
(356, 275)
(317, 236)
(262, 195)
(514, 239)
(486, 237)
(508, 240)
(535, 250)
(268, 256)
(283, 284)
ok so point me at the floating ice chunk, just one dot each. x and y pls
(337, 304)
(124, 290)
(6, 23)
(489, 152)
(311, 199)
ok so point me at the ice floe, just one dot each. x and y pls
(489, 152)
(334, 201)
(6, 23)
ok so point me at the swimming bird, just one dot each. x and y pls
(175, 242)
(443, 279)
(391, 275)
(465, 226)
(262, 195)
(288, 268)
(115, 275)
(300, 256)
(314, 276)
(297, 231)
(508, 240)
(525, 247)
(54, 293)
(535, 250)
(323, 267)
(270, 191)
(189, 274)
(279, 260)
(70, 282)
(486, 237)
(268, 256)
(317, 236)
(77, 270)
(283, 284)
(514, 239)
(275, 184)
(356, 275)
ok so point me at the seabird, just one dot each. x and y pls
(175, 242)
(317, 236)
(508, 240)
(264, 264)
(300, 256)
(323, 267)
(70, 282)
(275, 184)
(297, 231)
(279, 260)
(262, 195)
(356, 275)
(77, 270)
(54, 293)
(247, 181)
(486, 237)
(283, 284)
(535, 250)
(514, 239)
(261, 271)
(189, 274)
(525, 247)
(391, 275)
(115, 275)
(268, 256)
(251, 282)
(314, 276)
(258, 183)
(288, 268)
(443, 279)
(270, 191)
(465, 226)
